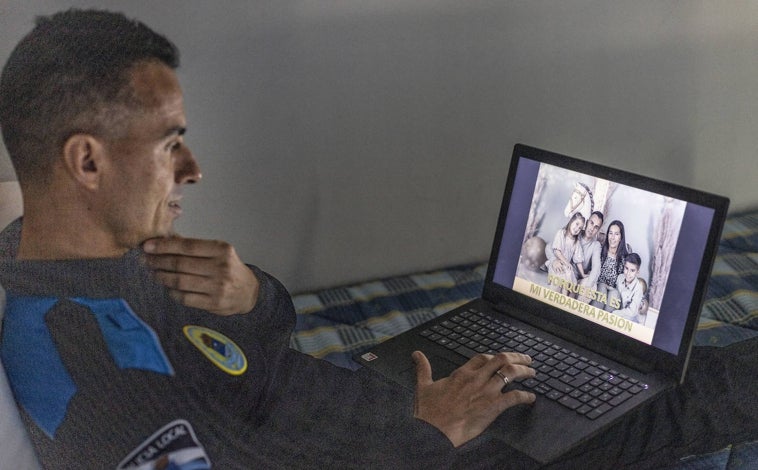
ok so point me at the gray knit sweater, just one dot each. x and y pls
(108, 375)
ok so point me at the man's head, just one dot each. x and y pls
(593, 225)
(92, 112)
(70, 75)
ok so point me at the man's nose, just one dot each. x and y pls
(188, 170)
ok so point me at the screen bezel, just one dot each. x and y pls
(595, 337)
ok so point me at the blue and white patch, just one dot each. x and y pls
(219, 349)
(173, 447)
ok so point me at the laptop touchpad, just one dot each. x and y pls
(441, 368)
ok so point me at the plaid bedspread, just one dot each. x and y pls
(335, 324)
(730, 313)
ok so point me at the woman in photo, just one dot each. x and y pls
(612, 257)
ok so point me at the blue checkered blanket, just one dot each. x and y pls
(730, 313)
(335, 324)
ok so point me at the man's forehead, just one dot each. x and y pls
(155, 85)
(159, 108)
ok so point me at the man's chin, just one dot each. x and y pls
(167, 230)
(158, 234)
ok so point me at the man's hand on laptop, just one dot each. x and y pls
(205, 274)
(465, 403)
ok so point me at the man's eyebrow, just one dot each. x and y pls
(175, 130)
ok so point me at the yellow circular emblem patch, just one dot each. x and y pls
(219, 349)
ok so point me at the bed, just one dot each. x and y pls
(337, 323)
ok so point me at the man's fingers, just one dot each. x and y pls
(193, 299)
(515, 397)
(478, 361)
(512, 373)
(505, 359)
(423, 369)
(505, 368)
(205, 274)
(492, 362)
(192, 256)
(177, 245)
(181, 264)
(185, 282)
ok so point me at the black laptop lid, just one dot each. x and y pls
(673, 230)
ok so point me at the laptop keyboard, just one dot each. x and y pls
(576, 382)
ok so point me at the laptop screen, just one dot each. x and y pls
(615, 250)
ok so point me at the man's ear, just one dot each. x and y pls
(84, 159)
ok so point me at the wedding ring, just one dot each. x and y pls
(506, 381)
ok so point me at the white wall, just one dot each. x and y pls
(344, 140)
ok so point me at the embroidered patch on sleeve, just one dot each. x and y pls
(174, 446)
(219, 349)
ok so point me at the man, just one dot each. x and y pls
(174, 354)
(591, 248)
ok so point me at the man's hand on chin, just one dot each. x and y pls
(204, 274)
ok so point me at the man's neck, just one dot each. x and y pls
(57, 236)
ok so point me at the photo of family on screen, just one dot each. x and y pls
(599, 249)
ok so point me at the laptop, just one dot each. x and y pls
(600, 351)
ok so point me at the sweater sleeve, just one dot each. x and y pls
(344, 419)
(336, 417)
